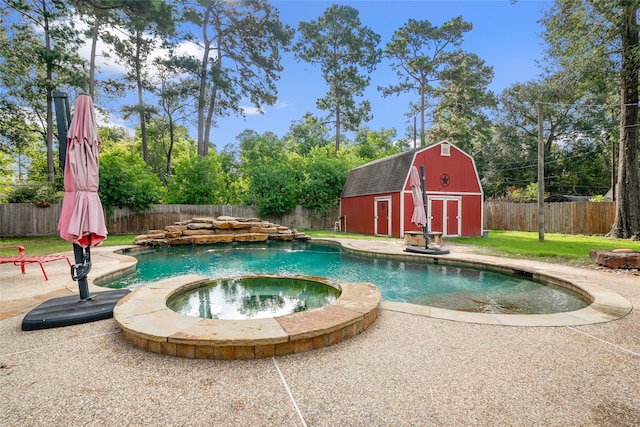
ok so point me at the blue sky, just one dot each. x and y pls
(505, 35)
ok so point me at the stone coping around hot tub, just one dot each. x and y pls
(148, 323)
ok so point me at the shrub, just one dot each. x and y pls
(125, 181)
(35, 192)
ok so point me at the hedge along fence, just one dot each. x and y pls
(25, 219)
(565, 218)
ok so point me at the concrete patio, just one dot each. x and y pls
(405, 369)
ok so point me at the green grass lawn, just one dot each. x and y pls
(555, 247)
(558, 248)
(54, 244)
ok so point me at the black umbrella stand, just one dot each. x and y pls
(66, 311)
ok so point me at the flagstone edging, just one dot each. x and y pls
(148, 323)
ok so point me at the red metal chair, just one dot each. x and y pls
(22, 259)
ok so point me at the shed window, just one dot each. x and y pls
(445, 150)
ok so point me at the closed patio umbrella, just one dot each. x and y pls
(419, 216)
(82, 217)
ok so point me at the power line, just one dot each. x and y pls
(561, 104)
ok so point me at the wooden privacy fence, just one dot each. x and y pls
(565, 218)
(24, 219)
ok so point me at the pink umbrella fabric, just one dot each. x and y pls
(419, 217)
(82, 218)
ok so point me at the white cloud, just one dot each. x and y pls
(114, 121)
(250, 110)
(110, 67)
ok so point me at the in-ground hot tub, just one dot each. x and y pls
(149, 323)
(253, 297)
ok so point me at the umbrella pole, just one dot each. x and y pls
(80, 270)
(425, 229)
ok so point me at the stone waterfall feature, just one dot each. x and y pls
(223, 229)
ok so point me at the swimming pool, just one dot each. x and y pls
(450, 287)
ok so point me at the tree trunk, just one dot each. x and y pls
(92, 59)
(143, 124)
(422, 108)
(212, 106)
(171, 142)
(209, 121)
(203, 83)
(50, 162)
(627, 222)
(49, 65)
(337, 131)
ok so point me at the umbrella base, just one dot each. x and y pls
(67, 311)
(427, 251)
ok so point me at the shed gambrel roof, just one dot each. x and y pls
(384, 175)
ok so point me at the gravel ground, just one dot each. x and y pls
(405, 370)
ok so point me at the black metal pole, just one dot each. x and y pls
(63, 120)
(425, 229)
(80, 270)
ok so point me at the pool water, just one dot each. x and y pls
(456, 288)
(253, 298)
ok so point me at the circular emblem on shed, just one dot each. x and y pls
(445, 180)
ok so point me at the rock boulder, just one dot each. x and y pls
(616, 258)
(223, 229)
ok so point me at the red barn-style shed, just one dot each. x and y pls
(376, 198)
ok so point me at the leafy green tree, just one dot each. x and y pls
(371, 145)
(572, 128)
(143, 24)
(306, 134)
(346, 52)
(197, 181)
(582, 165)
(235, 184)
(273, 177)
(111, 136)
(460, 116)
(20, 139)
(419, 52)
(167, 143)
(523, 195)
(39, 50)
(5, 176)
(41, 193)
(324, 178)
(125, 181)
(241, 43)
(597, 40)
(174, 95)
(99, 15)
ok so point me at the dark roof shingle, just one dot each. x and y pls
(384, 175)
